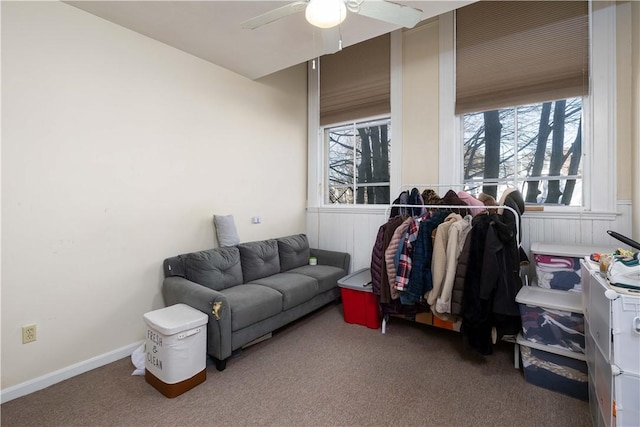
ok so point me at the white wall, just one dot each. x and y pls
(116, 152)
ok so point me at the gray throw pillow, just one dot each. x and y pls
(294, 251)
(259, 259)
(226, 230)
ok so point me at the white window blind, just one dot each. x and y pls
(520, 52)
(354, 83)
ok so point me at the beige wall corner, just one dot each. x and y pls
(420, 94)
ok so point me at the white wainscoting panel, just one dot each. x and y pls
(354, 229)
(351, 230)
(587, 229)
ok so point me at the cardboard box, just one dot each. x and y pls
(445, 324)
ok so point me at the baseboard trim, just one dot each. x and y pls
(52, 378)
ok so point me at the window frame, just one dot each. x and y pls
(325, 165)
(518, 180)
(599, 112)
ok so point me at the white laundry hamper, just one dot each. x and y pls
(175, 357)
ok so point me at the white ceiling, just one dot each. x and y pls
(211, 30)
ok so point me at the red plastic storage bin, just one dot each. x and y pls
(359, 304)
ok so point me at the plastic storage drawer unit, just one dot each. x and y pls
(359, 304)
(551, 317)
(176, 357)
(555, 369)
(558, 266)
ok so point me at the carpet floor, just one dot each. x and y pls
(318, 371)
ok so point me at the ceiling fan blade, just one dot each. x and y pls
(392, 13)
(274, 15)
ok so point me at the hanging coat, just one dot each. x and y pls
(420, 280)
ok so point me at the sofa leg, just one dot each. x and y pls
(220, 364)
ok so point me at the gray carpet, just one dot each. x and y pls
(318, 371)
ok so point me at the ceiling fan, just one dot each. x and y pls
(330, 13)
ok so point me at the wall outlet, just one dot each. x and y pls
(28, 334)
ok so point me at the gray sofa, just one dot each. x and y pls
(254, 288)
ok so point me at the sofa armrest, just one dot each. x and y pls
(334, 258)
(177, 289)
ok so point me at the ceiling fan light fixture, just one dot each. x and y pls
(325, 13)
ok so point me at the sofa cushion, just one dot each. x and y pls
(250, 303)
(326, 275)
(295, 288)
(215, 268)
(259, 259)
(293, 251)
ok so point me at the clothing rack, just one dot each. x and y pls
(409, 186)
(404, 187)
(456, 186)
(485, 209)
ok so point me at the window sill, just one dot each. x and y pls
(351, 209)
(547, 213)
(556, 213)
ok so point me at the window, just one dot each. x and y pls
(598, 114)
(358, 162)
(354, 116)
(536, 147)
(522, 75)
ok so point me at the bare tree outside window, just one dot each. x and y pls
(358, 163)
(537, 148)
